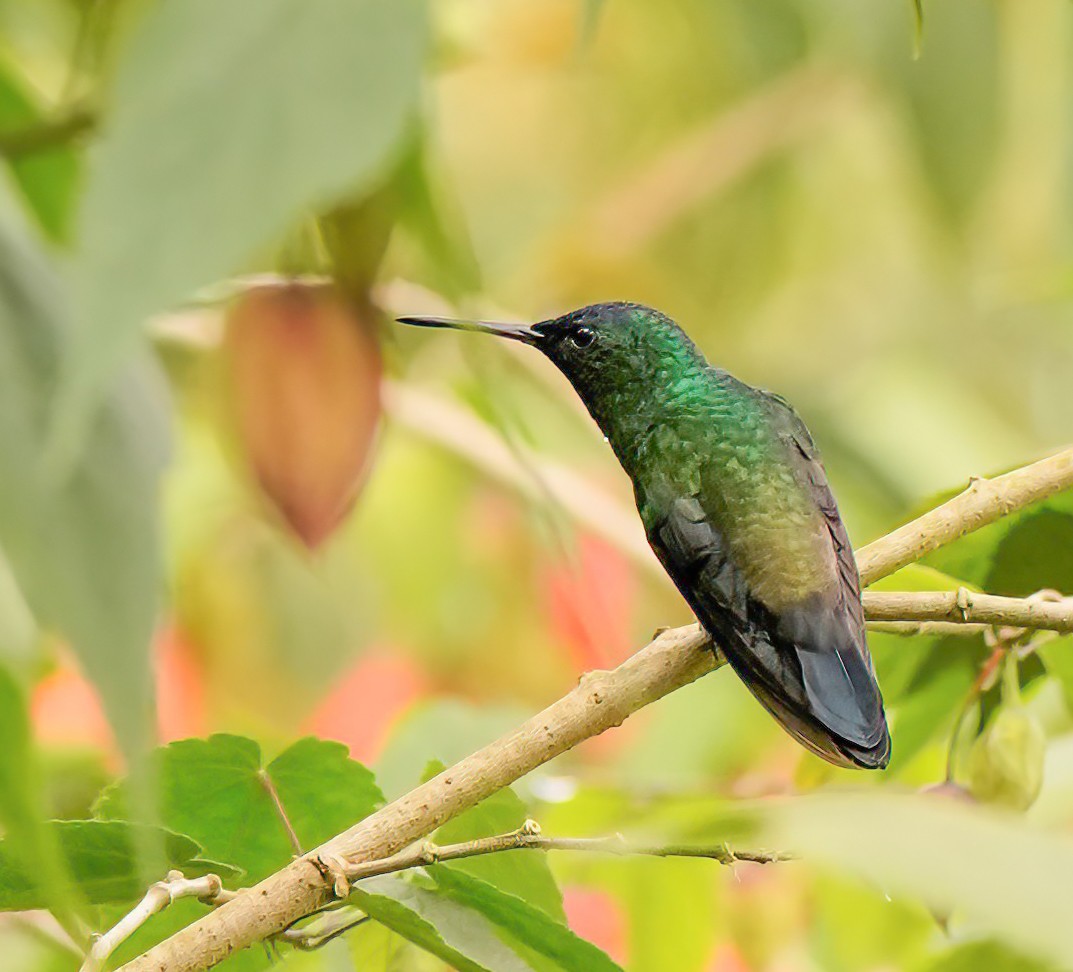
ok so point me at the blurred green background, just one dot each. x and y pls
(875, 225)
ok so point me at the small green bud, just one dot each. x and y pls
(1006, 761)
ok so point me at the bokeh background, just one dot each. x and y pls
(869, 215)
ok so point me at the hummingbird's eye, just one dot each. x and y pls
(582, 337)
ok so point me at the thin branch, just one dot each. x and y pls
(982, 503)
(207, 889)
(330, 925)
(529, 837)
(326, 928)
(601, 700)
(927, 629)
(968, 607)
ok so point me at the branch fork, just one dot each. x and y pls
(208, 890)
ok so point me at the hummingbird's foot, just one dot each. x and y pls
(334, 870)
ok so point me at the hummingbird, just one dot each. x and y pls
(736, 505)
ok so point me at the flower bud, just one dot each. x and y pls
(305, 372)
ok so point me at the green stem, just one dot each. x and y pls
(1011, 680)
(47, 134)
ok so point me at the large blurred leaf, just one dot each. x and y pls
(529, 926)
(227, 121)
(18, 632)
(103, 861)
(945, 855)
(460, 936)
(662, 894)
(220, 791)
(46, 176)
(856, 926)
(517, 872)
(85, 549)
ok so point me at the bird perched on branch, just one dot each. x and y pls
(736, 505)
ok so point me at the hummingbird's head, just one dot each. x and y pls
(600, 348)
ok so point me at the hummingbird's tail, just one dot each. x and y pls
(869, 750)
(808, 670)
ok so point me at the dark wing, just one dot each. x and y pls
(829, 636)
(808, 664)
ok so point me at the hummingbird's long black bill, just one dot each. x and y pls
(517, 332)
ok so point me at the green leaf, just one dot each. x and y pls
(1033, 554)
(373, 947)
(919, 577)
(459, 935)
(517, 872)
(47, 176)
(277, 106)
(528, 925)
(220, 791)
(102, 857)
(990, 955)
(1057, 657)
(30, 843)
(943, 854)
(84, 549)
(934, 695)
